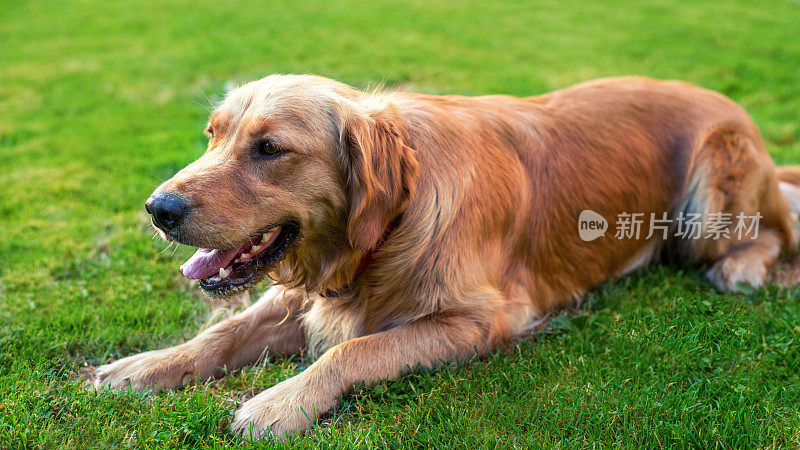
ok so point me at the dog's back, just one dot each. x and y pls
(523, 170)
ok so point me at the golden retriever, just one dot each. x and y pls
(403, 230)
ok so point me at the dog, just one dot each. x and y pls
(403, 230)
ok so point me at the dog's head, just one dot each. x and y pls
(302, 175)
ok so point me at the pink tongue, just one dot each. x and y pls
(205, 262)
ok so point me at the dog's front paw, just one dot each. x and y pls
(167, 369)
(290, 406)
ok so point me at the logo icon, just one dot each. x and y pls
(591, 225)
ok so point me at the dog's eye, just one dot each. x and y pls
(267, 149)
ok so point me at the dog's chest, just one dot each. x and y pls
(329, 322)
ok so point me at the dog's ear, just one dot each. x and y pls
(380, 169)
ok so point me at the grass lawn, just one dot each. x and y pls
(100, 100)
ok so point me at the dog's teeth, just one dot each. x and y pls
(265, 237)
(244, 256)
(255, 249)
(224, 273)
(215, 279)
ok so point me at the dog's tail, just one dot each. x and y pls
(789, 184)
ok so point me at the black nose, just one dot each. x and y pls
(168, 210)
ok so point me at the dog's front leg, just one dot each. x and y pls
(294, 404)
(272, 323)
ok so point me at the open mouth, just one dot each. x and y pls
(224, 272)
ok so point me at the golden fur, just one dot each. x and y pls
(486, 194)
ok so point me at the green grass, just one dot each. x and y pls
(99, 101)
